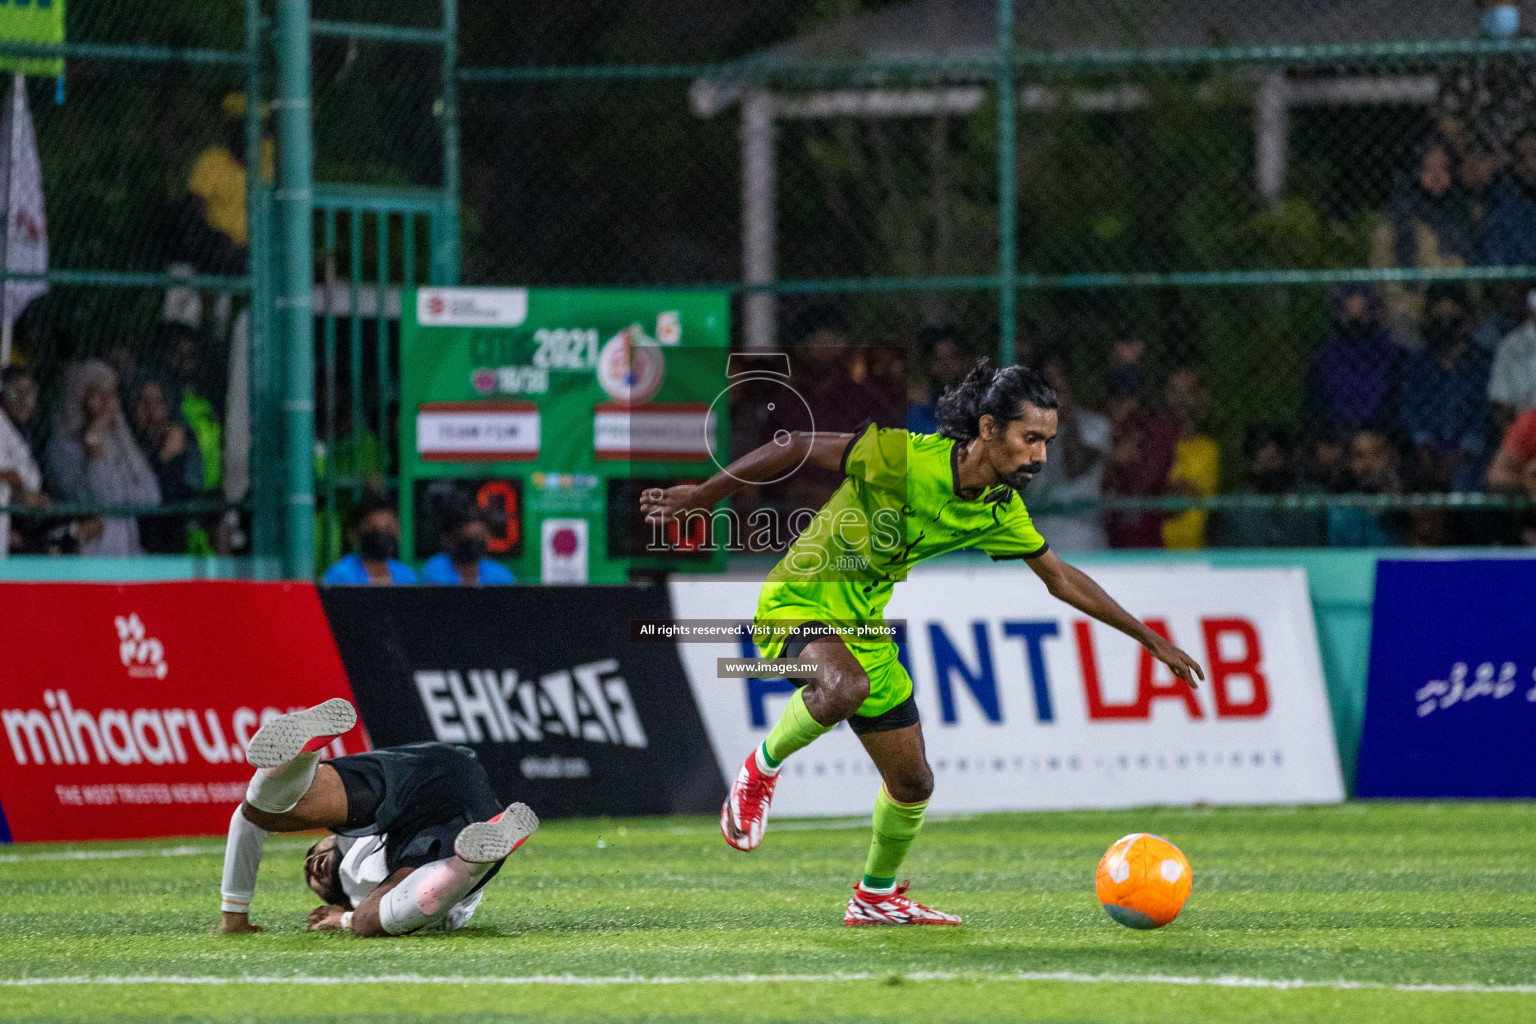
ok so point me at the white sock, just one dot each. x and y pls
(882, 891)
(763, 765)
(428, 894)
(278, 790)
(242, 856)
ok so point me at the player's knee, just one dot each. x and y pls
(846, 691)
(911, 786)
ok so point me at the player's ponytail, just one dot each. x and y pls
(985, 391)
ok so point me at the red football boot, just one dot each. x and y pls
(892, 908)
(745, 814)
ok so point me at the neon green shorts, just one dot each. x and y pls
(889, 683)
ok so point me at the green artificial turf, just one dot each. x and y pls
(1379, 896)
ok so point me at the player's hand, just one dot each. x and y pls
(325, 918)
(1183, 666)
(237, 924)
(660, 504)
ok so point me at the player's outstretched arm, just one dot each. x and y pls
(365, 923)
(1075, 587)
(768, 462)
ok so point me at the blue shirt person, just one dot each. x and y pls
(440, 569)
(1443, 398)
(378, 542)
(465, 528)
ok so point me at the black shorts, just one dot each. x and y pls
(419, 796)
(899, 717)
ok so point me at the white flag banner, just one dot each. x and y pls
(25, 238)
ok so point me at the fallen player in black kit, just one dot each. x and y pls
(418, 828)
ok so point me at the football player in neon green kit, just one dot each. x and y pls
(905, 497)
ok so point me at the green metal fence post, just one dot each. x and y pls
(295, 292)
(1007, 185)
(381, 337)
(445, 253)
(328, 342)
(266, 527)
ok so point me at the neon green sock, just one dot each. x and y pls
(896, 825)
(796, 729)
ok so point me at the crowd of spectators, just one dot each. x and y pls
(1378, 419)
(1414, 388)
(113, 433)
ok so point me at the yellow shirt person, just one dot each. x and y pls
(218, 178)
(1196, 462)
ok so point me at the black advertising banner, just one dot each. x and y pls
(564, 711)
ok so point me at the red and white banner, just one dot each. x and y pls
(125, 709)
(1027, 704)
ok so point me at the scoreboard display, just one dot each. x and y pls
(552, 409)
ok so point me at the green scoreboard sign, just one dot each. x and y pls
(32, 21)
(551, 409)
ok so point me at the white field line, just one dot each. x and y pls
(207, 849)
(1222, 981)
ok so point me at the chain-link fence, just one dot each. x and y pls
(147, 385)
(1278, 252)
(128, 421)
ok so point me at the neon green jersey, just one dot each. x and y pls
(899, 505)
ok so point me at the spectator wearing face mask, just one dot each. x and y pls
(1271, 458)
(374, 563)
(1443, 397)
(466, 538)
(1355, 371)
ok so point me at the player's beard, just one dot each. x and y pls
(1020, 478)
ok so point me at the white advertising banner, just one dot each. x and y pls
(1027, 704)
(471, 307)
(678, 432)
(477, 431)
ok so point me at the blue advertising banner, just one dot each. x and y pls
(1450, 707)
